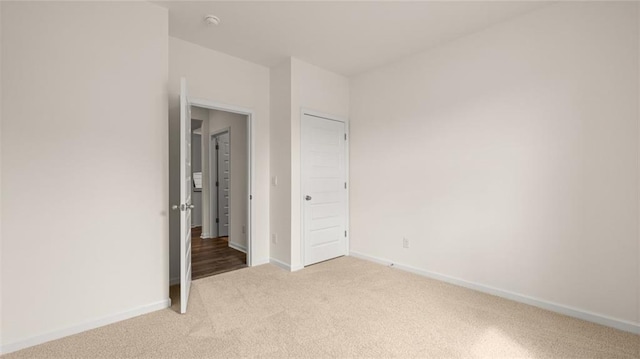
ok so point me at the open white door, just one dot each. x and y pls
(324, 186)
(185, 196)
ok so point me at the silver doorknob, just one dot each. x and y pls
(175, 207)
(307, 197)
(191, 206)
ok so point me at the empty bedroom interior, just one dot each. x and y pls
(490, 154)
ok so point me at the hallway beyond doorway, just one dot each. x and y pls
(213, 256)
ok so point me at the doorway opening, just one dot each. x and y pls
(212, 115)
(220, 164)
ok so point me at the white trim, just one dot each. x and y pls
(285, 266)
(238, 247)
(213, 177)
(280, 264)
(345, 121)
(220, 131)
(554, 307)
(205, 236)
(326, 116)
(200, 102)
(75, 329)
(251, 120)
(174, 281)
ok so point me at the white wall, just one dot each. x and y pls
(1, 336)
(638, 74)
(84, 165)
(509, 158)
(237, 125)
(280, 194)
(205, 148)
(196, 166)
(296, 85)
(222, 78)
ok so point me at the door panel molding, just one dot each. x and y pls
(185, 196)
(308, 112)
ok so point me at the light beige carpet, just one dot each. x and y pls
(343, 308)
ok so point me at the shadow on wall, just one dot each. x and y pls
(196, 166)
(174, 188)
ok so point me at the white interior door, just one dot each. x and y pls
(324, 189)
(185, 205)
(224, 174)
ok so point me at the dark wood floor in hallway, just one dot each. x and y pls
(213, 256)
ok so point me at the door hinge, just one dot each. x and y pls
(217, 220)
(250, 197)
(345, 233)
(345, 185)
(345, 136)
(216, 183)
(217, 147)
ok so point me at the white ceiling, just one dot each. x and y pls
(345, 37)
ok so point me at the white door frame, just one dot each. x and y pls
(306, 111)
(212, 105)
(214, 209)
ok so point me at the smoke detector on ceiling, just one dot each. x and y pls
(212, 20)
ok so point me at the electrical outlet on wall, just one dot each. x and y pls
(405, 242)
(274, 238)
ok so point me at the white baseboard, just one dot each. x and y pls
(554, 307)
(205, 235)
(285, 266)
(280, 264)
(174, 281)
(57, 334)
(238, 247)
